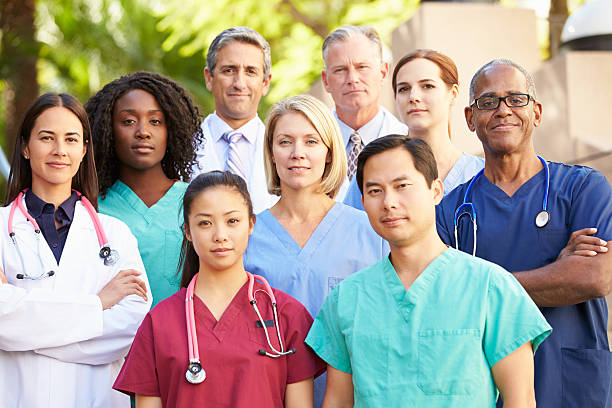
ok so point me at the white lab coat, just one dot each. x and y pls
(57, 347)
(207, 160)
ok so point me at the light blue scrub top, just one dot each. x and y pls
(433, 345)
(573, 368)
(464, 169)
(343, 243)
(157, 229)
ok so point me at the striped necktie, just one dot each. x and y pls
(356, 146)
(234, 163)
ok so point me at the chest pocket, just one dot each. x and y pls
(551, 241)
(450, 361)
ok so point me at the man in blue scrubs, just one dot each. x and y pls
(559, 256)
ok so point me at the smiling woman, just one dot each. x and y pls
(307, 243)
(68, 302)
(146, 127)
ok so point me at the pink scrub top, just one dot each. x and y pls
(236, 374)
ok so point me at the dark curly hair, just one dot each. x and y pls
(183, 122)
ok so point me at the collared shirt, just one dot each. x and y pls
(383, 124)
(245, 145)
(45, 215)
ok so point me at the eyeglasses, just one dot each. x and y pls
(511, 101)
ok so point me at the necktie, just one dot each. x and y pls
(355, 149)
(234, 163)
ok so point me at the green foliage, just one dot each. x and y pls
(295, 30)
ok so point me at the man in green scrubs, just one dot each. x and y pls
(428, 326)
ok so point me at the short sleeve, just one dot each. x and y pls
(512, 319)
(592, 206)
(304, 363)
(326, 338)
(441, 226)
(139, 374)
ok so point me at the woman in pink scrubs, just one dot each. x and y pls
(218, 217)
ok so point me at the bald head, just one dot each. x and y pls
(531, 89)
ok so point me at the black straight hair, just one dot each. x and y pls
(189, 262)
(422, 156)
(85, 180)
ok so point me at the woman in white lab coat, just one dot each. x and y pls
(73, 290)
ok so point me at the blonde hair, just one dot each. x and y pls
(326, 126)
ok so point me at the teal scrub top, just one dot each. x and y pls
(157, 229)
(433, 345)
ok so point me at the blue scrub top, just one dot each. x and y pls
(573, 367)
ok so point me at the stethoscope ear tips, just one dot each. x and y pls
(262, 352)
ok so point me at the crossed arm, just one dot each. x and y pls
(582, 271)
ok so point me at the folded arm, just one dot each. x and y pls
(573, 278)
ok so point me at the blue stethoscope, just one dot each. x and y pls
(467, 207)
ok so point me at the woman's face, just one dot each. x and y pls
(139, 127)
(55, 149)
(219, 227)
(298, 152)
(423, 99)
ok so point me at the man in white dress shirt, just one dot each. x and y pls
(353, 75)
(238, 74)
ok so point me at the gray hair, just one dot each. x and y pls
(241, 34)
(531, 89)
(349, 31)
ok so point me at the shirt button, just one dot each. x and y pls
(55, 245)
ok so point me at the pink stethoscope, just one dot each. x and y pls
(195, 372)
(109, 255)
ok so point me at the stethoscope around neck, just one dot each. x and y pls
(195, 372)
(467, 207)
(110, 256)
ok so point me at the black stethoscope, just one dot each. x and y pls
(195, 372)
(467, 207)
(109, 255)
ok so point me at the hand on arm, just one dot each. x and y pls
(513, 376)
(339, 389)
(582, 271)
(300, 394)
(147, 401)
(123, 284)
(583, 243)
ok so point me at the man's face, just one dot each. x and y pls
(503, 130)
(397, 199)
(238, 81)
(354, 74)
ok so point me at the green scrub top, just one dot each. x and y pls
(157, 229)
(433, 345)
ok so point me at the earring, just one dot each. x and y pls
(25, 156)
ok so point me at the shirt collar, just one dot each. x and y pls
(36, 206)
(367, 132)
(248, 130)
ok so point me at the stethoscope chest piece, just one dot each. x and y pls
(542, 219)
(110, 256)
(195, 373)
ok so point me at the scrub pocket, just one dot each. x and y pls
(586, 376)
(450, 361)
